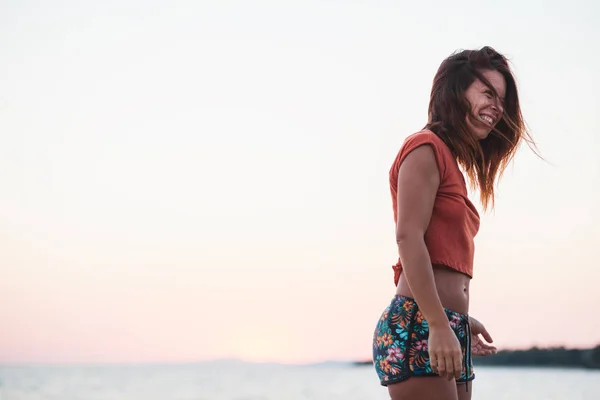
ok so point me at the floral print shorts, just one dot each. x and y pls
(400, 342)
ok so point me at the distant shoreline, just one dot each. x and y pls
(557, 357)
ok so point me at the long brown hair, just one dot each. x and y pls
(484, 160)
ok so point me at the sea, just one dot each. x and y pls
(233, 380)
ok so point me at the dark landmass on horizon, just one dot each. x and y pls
(537, 357)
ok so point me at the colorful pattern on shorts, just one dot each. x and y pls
(400, 342)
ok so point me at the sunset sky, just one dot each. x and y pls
(194, 180)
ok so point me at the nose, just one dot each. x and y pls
(497, 106)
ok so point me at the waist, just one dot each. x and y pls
(452, 288)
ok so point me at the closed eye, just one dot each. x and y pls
(490, 95)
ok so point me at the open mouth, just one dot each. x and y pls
(487, 119)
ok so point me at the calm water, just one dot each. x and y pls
(238, 381)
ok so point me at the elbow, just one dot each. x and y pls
(408, 237)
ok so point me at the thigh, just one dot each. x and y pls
(424, 388)
(461, 389)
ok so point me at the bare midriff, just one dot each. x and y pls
(452, 287)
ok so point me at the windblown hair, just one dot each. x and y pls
(484, 160)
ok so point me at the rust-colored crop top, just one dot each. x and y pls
(454, 221)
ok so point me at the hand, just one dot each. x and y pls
(478, 346)
(445, 353)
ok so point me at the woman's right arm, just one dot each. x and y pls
(418, 182)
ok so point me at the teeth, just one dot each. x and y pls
(487, 119)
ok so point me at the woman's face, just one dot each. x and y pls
(486, 109)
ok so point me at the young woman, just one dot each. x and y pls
(424, 340)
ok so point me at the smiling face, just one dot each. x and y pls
(473, 94)
(486, 108)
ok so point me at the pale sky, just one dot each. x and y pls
(188, 180)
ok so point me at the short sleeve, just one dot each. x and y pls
(440, 151)
(419, 139)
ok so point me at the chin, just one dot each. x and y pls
(482, 134)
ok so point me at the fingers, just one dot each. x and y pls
(478, 328)
(484, 351)
(448, 367)
(485, 347)
(480, 348)
(487, 336)
(481, 351)
(457, 365)
(433, 362)
(453, 366)
(441, 366)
